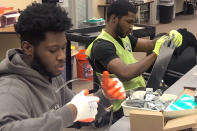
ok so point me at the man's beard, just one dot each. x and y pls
(119, 31)
(38, 65)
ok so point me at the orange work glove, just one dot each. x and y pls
(113, 87)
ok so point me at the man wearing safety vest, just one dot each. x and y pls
(113, 49)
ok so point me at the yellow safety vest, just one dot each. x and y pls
(126, 55)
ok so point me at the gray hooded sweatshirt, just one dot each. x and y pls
(28, 102)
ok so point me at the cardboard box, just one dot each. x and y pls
(147, 120)
(144, 120)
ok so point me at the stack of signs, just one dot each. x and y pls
(183, 103)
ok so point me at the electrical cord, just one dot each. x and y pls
(67, 82)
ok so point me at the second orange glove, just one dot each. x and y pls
(113, 87)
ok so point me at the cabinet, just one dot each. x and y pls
(178, 6)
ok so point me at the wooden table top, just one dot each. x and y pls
(7, 30)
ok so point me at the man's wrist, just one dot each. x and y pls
(154, 53)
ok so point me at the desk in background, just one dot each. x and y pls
(10, 30)
(87, 35)
(7, 30)
(188, 80)
(8, 39)
(137, 4)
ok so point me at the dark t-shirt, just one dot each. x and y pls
(104, 51)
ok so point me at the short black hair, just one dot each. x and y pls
(37, 19)
(120, 8)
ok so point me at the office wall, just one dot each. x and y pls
(17, 4)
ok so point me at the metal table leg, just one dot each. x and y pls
(68, 63)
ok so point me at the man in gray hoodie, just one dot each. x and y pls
(30, 77)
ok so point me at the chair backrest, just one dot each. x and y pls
(184, 57)
(181, 64)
